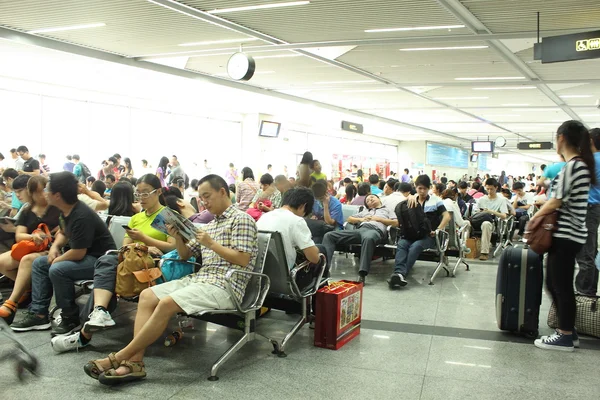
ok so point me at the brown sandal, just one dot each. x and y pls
(137, 371)
(9, 316)
(93, 369)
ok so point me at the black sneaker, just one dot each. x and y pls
(66, 325)
(397, 280)
(31, 322)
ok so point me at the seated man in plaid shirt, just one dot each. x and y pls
(229, 241)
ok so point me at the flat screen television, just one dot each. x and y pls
(474, 157)
(269, 129)
(482, 147)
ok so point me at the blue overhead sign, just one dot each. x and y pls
(447, 156)
(483, 162)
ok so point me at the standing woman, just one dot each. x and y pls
(161, 170)
(231, 175)
(128, 172)
(569, 199)
(246, 189)
(359, 176)
(304, 170)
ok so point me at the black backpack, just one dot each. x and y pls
(85, 172)
(414, 224)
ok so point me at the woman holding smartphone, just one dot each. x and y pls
(37, 212)
(149, 192)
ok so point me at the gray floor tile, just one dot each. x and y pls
(289, 379)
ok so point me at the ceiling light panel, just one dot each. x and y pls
(444, 48)
(66, 28)
(259, 7)
(415, 28)
(208, 43)
(491, 78)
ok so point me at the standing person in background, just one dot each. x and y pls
(31, 166)
(118, 168)
(176, 169)
(570, 200)
(231, 175)
(207, 169)
(586, 281)
(246, 189)
(146, 169)
(317, 174)
(503, 180)
(69, 164)
(44, 168)
(128, 171)
(270, 169)
(304, 170)
(405, 178)
(374, 181)
(161, 170)
(443, 179)
(359, 176)
(16, 159)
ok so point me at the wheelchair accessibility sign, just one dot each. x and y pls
(588, 44)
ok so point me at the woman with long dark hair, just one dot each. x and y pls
(128, 172)
(121, 200)
(246, 189)
(570, 201)
(304, 170)
(161, 170)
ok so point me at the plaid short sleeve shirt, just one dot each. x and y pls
(233, 229)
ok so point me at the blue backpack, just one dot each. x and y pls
(172, 269)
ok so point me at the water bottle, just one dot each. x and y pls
(173, 338)
(186, 323)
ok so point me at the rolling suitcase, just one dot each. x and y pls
(519, 291)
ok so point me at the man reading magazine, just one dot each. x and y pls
(228, 242)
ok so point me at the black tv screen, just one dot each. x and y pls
(482, 147)
(474, 157)
(269, 129)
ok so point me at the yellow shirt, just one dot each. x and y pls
(142, 222)
(319, 177)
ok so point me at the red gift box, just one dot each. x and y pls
(338, 314)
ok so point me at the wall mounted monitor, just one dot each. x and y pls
(482, 147)
(269, 129)
(474, 158)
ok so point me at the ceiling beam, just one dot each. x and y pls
(462, 13)
(360, 42)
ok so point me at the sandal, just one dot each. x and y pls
(137, 371)
(8, 316)
(93, 369)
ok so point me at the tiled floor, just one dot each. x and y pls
(422, 342)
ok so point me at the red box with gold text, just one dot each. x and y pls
(338, 314)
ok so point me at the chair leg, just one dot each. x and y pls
(249, 335)
(437, 270)
(279, 349)
(456, 266)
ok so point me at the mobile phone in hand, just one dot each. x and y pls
(126, 227)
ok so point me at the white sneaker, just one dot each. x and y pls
(63, 343)
(98, 319)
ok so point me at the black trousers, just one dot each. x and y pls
(559, 280)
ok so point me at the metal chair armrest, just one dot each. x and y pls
(258, 299)
(441, 240)
(294, 271)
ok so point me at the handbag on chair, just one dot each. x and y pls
(24, 247)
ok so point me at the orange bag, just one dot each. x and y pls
(24, 247)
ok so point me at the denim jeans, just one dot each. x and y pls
(586, 281)
(59, 276)
(408, 251)
(105, 277)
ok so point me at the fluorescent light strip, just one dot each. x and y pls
(416, 28)
(371, 91)
(503, 115)
(278, 56)
(590, 115)
(341, 82)
(506, 88)
(515, 105)
(460, 98)
(445, 48)
(536, 109)
(576, 96)
(218, 42)
(67, 28)
(259, 7)
(491, 78)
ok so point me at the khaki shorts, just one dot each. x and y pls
(194, 297)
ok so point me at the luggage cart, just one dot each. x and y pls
(25, 360)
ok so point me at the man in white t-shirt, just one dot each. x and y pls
(494, 205)
(289, 221)
(392, 198)
(523, 205)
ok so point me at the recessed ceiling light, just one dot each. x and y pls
(341, 82)
(491, 78)
(67, 28)
(515, 105)
(535, 109)
(589, 115)
(278, 56)
(416, 28)
(259, 7)
(217, 42)
(503, 115)
(460, 98)
(576, 96)
(371, 91)
(445, 48)
(506, 88)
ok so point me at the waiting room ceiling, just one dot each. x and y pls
(492, 88)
